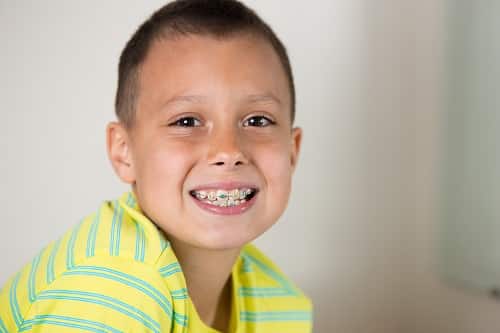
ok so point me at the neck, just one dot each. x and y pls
(208, 280)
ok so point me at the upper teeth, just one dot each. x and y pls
(223, 195)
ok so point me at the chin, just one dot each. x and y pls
(221, 241)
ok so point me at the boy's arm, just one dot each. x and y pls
(93, 297)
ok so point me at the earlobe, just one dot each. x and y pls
(119, 152)
(296, 142)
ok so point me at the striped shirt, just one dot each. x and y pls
(116, 272)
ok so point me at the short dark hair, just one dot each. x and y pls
(217, 18)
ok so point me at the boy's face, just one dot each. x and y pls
(211, 116)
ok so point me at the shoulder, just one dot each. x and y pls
(119, 229)
(106, 261)
(111, 294)
(268, 299)
(267, 279)
(111, 236)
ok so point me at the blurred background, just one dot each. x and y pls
(363, 231)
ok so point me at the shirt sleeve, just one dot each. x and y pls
(113, 295)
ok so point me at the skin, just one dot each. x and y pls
(209, 110)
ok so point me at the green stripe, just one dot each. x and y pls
(92, 237)
(268, 270)
(180, 319)
(170, 269)
(116, 225)
(14, 305)
(179, 293)
(63, 324)
(70, 263)
(113, 227)
(143, 244)
(127, 280)
(131, 201)
(139, 242)
(167, 274)
(246, 267)
(3, 329)
(119, 226)
(88, 325)
(274, 316)
(104, 300)
(264, 292)
(285, 285)
(32, 276)
(163, 242)
(50, 264)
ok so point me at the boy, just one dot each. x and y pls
(205, 108)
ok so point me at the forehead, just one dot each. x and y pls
(217, 69)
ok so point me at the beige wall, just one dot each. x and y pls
(359, 234)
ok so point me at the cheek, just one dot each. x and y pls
(275, 165)
(161, 172)
(161, 163)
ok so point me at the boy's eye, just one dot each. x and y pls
(186, 122)
(258, 121)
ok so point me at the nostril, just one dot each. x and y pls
(223, 163)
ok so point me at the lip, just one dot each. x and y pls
(224, 186)
(235, 210)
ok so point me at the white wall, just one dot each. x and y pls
(361, 219)
(439, 307)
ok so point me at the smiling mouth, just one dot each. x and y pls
(224, 198)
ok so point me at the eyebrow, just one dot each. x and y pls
(198, 99)
(186, 98)
(268, 97)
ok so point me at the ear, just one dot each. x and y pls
(296, 142)
(119, 152)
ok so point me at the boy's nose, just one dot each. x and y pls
(226, 150)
